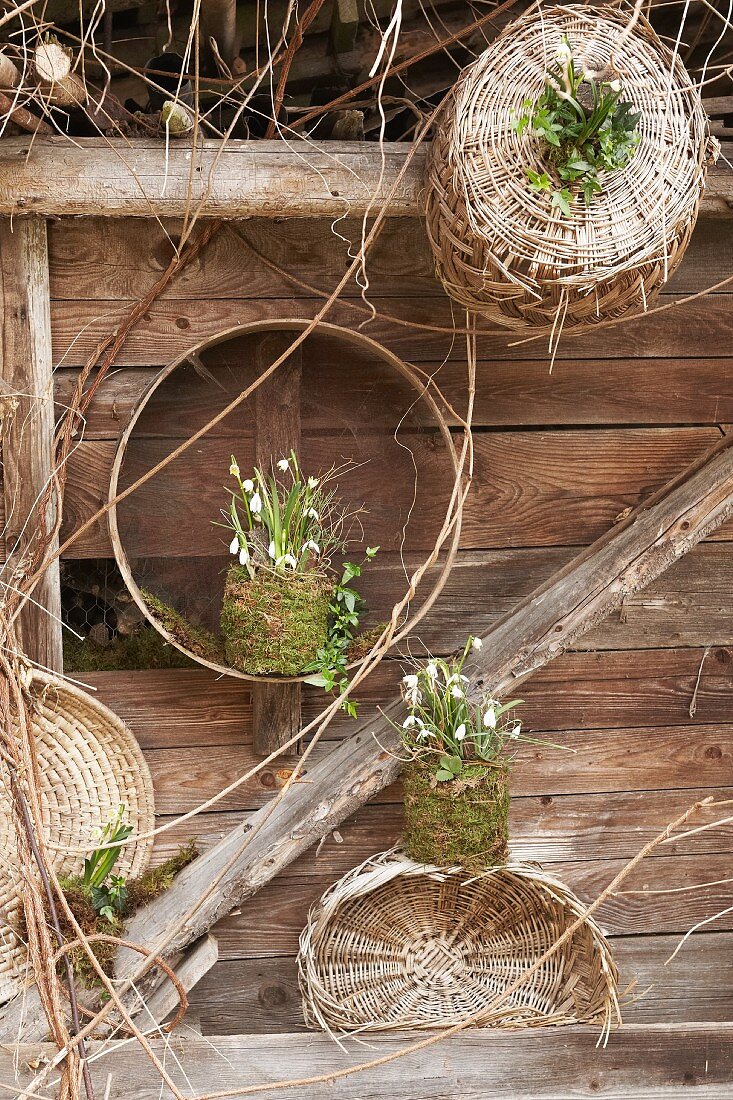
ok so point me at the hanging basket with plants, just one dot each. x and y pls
(285, 610)
(456, 778)
(398, 944)
(566, 170)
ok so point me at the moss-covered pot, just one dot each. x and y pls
(460, 823)
(274, 623)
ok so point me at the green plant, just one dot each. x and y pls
(453, 731)
(107, 892)
(329, 668)
(284, 528)
(586, 129)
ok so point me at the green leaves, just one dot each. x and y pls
(579, 142)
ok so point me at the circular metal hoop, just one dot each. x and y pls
(349, 336)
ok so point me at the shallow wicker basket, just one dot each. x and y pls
(500, 249)
(90, 763)
(397, 944)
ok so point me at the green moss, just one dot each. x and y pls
(463, 822)
(196, 639)
(140, 891)
(364, 643)
(274, 624)
(146, 648)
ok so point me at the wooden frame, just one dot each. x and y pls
(56, 177)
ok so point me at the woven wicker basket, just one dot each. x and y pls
(500, 249)
(90, 763)
(396, 944)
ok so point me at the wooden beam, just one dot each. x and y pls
(646, 1061)
(27, 434)
(277, 432)
(56, 177)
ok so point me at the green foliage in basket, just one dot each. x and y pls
(585, 127)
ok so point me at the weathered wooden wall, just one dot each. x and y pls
(558, 457)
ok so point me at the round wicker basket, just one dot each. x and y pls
(397, 944)
(500, 248)
(90, 764)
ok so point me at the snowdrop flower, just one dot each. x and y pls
(234, 469)
(460, 732)
(312, 545)
(290, 560)
(409, 722)
(452, 679)
(284, 464)
(410, 681)
(256, 504)
(431, 670)
(234, 546)
(564, 53)
(424, 734)
(271, 550)
(515, 732)
(615, 85)
(490, 718)
(456, 692)
(476, 643)
(313, 482)
(312, 513)
(244, 555)
(248, 484)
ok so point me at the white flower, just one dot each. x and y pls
(234, 546)
(312, 513)
(476, 643)
(248, 484)
(234, 470)
(313, 482)
(451, 679)
(255, 504)
(243, 555)
(410, 681)
(460, 732)
(271, 550)
(284, 464)
(564, 53)
(290, 560)
(615, 85)
(424, 734)
(456, 692)
(409, 722)
(312, 545)
(431, 670)
(490, 718)
(515, 732)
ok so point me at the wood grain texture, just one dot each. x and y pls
(261, 996)
(512, 393)
(171, 328)
(540, 488)
(249, 179)
(648, 1062)
(27, 434)
(110, 258)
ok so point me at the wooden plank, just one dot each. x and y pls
(261, 996)
(171, 328)
(514, 393)
(276, 707)
(27, 434)
(530, 488)
(644, 1061)
(579, 596)
(54, 177)
(105, 258)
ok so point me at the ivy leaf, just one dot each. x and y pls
(561, 201)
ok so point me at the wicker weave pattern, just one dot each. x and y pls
(90, 763)
(500, 249)
(396, 944)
